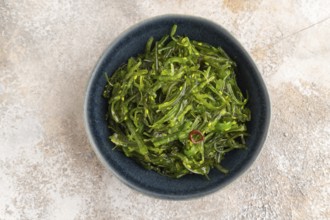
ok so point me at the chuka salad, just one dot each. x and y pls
(176, 109)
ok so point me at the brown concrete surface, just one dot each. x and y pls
(48, 169)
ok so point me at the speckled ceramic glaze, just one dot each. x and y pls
(132, 42)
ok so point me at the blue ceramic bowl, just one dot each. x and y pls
(132, 42)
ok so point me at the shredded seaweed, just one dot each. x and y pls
(177, 109)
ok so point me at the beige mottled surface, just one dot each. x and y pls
(48, 169)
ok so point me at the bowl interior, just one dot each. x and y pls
(131, 43)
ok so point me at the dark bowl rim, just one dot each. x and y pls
(237, 174)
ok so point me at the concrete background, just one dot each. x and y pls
(48, 169)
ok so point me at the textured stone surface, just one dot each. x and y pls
(47, 167)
